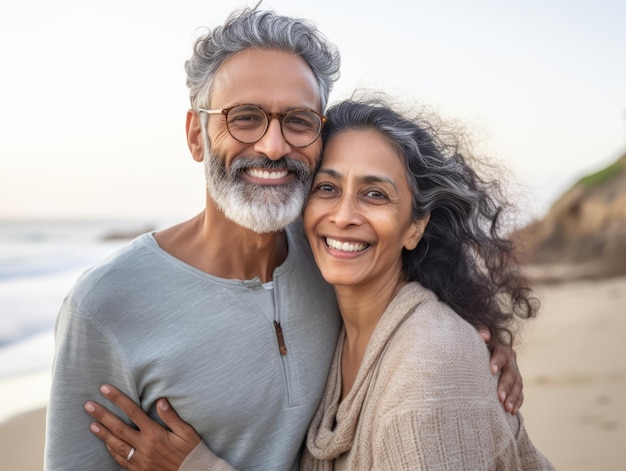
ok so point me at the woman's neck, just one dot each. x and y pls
(361, 309)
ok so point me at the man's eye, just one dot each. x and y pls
(244, 117)
(296, 123)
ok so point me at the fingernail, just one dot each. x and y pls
(510, 406)
(94, 428)
(104, 389)
(163, 404)
(494, 368)
(502, 395)
(89, 407)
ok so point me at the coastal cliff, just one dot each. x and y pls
(583, 234)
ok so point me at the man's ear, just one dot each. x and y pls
(416, 232)
(195, 142)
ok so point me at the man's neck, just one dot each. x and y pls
(216, 245)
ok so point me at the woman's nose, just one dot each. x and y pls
(346, 212)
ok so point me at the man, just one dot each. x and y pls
(226, 314)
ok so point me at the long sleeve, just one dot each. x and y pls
(203, 459)
(85, 358)
(446, 436)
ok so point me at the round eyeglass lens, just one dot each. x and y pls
(246, 123)
(301, 127)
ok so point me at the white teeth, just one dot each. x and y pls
(345, 246)
(266, 174)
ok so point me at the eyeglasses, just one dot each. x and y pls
(248, 123)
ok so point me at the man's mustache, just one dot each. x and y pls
(243, 163)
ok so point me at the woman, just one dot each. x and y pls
(408, 234)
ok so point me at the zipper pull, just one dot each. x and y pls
(281, 340)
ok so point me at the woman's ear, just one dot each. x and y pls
(195, 142)
(416, 232)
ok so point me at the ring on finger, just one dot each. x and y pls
(130, 453)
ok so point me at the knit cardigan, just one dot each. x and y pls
(424, 398)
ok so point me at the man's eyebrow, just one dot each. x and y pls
(364, 179)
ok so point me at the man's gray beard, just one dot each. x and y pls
(259, 208)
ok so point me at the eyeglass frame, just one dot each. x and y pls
(269, 115)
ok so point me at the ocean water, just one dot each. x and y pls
(39, 263)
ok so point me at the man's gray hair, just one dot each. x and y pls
(253, 28)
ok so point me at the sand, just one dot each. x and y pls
(572, 359)
(21, 442)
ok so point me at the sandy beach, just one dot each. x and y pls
(572, 360)
(22, 440)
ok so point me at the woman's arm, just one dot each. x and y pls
(155, 447)
(453, 418)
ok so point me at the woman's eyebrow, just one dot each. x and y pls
(329, 172)
(377, 179)
(364, 179)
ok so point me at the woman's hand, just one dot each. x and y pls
(504, 359)
(155, 448)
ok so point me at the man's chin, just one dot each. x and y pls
(261, 210)
(262, 225)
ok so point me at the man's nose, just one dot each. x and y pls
(273, 143)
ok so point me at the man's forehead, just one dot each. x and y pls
(272, 79)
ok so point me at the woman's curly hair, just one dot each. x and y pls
(463, 255)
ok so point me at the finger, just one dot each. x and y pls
(118, 449)
(175, 423)
(516, 402)
(124, 462)
(514, 396)
(112, 422)
(127, 405)
(500, 357)
(510, 383)
(484, 333)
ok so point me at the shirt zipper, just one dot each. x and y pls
(281, 340)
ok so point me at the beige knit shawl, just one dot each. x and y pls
(424, 398)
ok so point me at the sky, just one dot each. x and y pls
(93, 96)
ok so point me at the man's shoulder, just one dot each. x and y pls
(300, 255)
(128, 263)
(296, 235)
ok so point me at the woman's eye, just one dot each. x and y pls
(324, 187)
(376, 194)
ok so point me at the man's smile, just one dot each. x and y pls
(267, 174)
